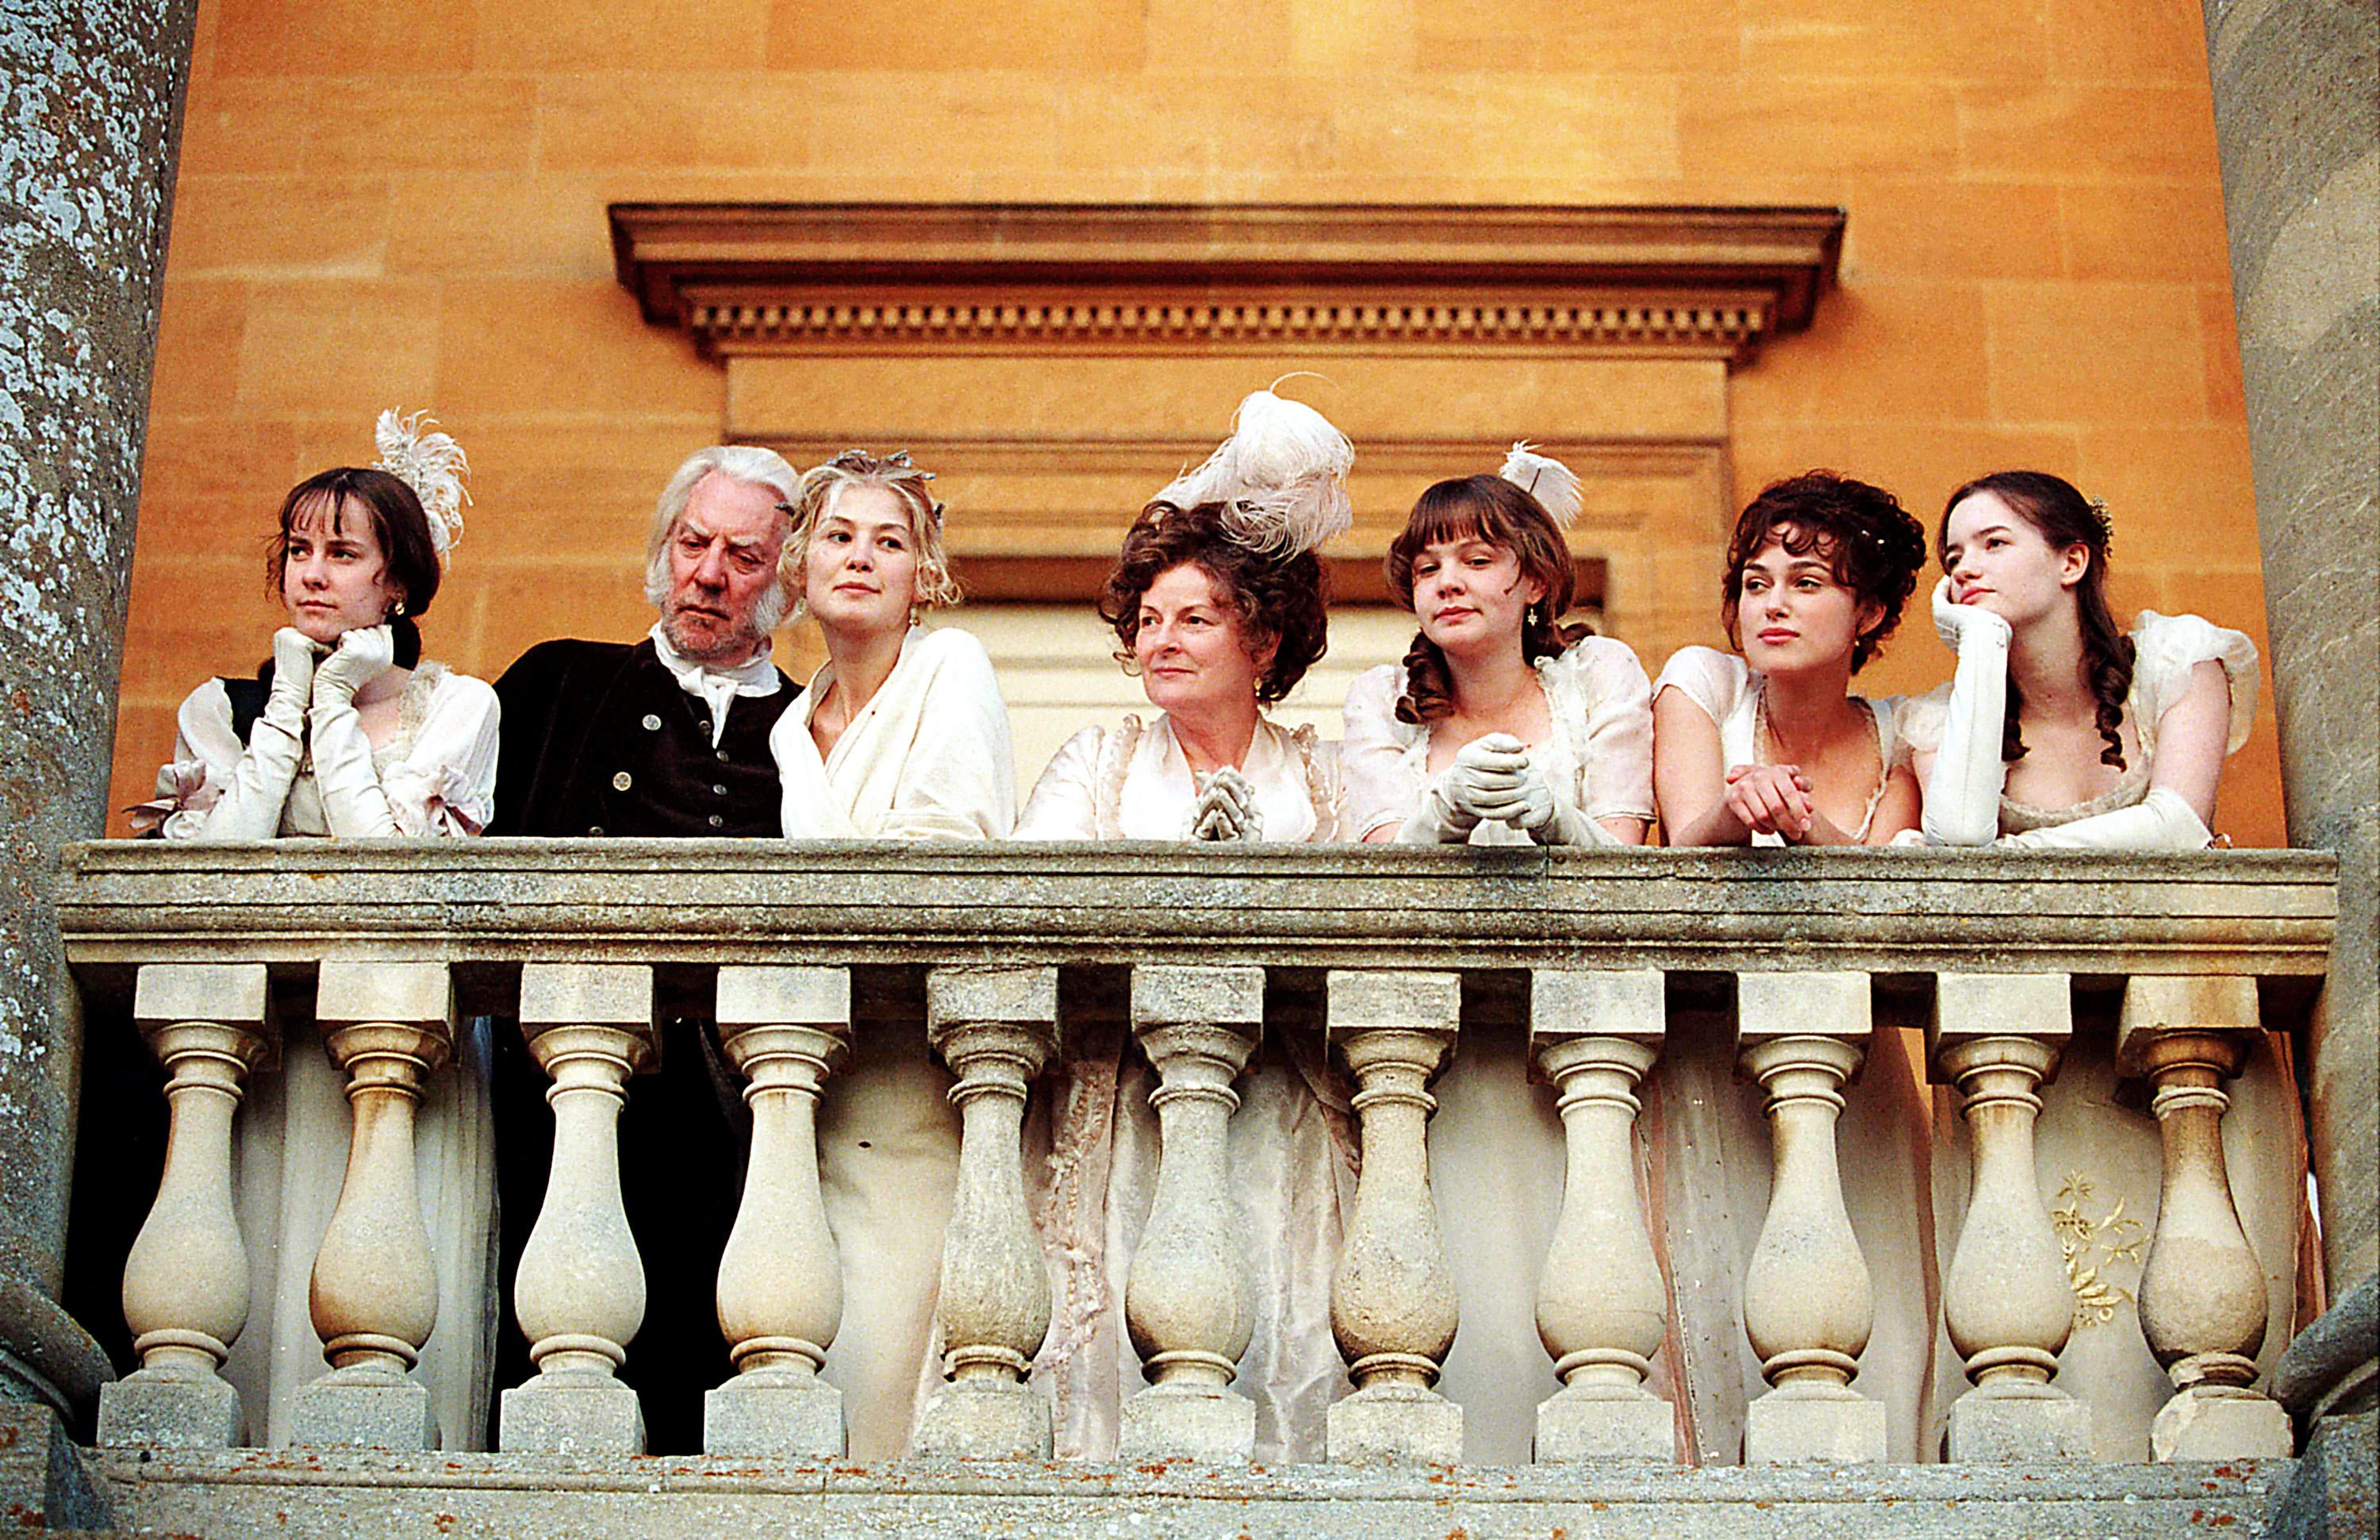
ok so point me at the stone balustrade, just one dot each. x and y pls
(1386, 961)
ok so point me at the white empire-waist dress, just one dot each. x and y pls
(438, 770)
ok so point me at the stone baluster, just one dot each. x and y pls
(1808, 1301)
(2204, 1305)
(1602, 1307)
(186, 1281)
(995, 1028)
(1188, 1300)
(579, 1293)
(1392, 1305)
(781, 1280)
(388, 1026)
(2007, 1302)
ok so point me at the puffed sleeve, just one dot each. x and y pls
(1379, 782)
(206, 752)
(1921, 721)
(447, 783)
(959, 779)
(1616, 750)
(1711, 679)
(2165, 650)
(1064, 804)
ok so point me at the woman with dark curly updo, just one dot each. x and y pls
(1218, 603)
(1768, 745)
(2058, 729)
(1503, 726)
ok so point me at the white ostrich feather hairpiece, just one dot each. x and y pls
(1281, 477)
(1552, 483)
(433, 465)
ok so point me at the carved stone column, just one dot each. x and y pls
(186, 1281)
(580, 1290)
(1392, 1306)
(388, 1026)
(2204, 1305)
(1602, 1307)
(780, 1279)
(1808, 1303)
(995, 1028)
(92, 96)
(2006, 1302)
(1187, 1299)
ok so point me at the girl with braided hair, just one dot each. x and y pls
(1768, 745)
(2057, 729)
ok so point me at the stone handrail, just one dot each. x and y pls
(587, 945)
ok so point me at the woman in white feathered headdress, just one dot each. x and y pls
(1218, 603)
(346, 732)
(1503, 725)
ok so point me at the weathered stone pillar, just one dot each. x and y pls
(780, 1279)
(91, 92)
(2297, 110)
(2007, 1302)
(388, 1026)
(2203, 1299)
(579, 1292)
(1188, 1300)
(1392, 1305)
(996, 1028)
(1601, 1305)
(186, 1280)
(1808, 1300)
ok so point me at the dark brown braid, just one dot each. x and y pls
(2065, 517)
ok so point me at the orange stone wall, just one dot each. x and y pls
(388, 203)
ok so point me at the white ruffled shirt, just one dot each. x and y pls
(928, 758)
(438, 768)
(1136, 783)
(1598, 757)
(717, 687)
(1728, 693)
(2165, 650)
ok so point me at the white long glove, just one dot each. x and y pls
(2162, 820)
(1963, 798)
(1226, 808)
(1545, 819)
(1484, 774)
(250, 806)
(353, 804)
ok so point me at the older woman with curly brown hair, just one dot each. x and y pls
(1218, 603)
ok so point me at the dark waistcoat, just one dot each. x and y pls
(599, 739)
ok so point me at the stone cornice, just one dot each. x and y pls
(2267, 914)
(745, 278)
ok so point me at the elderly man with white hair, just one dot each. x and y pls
(666, 737)
(669, 736)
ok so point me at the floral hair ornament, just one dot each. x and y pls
(1552, 483)
(895, 467)
(1281, 478)
(433, 465)
(2107, 524)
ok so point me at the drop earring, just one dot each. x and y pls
(396, 610)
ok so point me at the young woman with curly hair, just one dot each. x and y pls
(2057, 729)
(1502, 726)
(1766, 744)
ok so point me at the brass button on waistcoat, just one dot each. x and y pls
(652, 722)
(623, 781)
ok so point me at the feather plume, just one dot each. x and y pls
(1281, 477)
(433, 465)
(1546, 478)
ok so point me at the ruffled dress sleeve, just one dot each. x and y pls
(2166, 648)
(446, 783)
(1920, 720)
(1064, 804)
(206, 753)
(1713, 680)
(1613, 728)
(1380, 773)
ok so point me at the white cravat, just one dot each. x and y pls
(718, 686)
